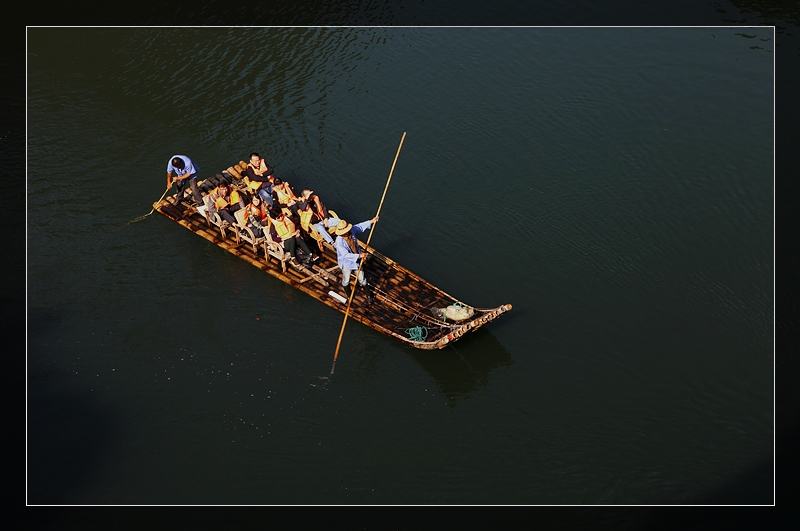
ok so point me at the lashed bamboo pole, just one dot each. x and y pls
(361, 264)
(154, 207)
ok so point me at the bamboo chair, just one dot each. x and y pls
(275, 250)
(245, 232)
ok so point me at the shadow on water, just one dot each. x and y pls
(744, 493)
(753, 487)
(464, 367)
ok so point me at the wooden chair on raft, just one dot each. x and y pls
(318, 238)
(314, 272)
(212, 218)
(234, 176)
(329, 273)
(246, 233)
(275, 249)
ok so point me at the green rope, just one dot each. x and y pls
(417, 334)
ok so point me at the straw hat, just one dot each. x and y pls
(343, 227)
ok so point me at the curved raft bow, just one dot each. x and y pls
(402, 299)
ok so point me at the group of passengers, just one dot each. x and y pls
(272, 207)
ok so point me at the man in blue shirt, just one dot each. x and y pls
(348, 251)
(180, 168)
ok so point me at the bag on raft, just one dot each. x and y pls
(454, 312)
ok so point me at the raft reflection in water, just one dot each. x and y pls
(464, 367)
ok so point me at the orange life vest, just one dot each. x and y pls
(219, 200)
(317, 206)
(255, 185)
(257, 212)
(285, 228)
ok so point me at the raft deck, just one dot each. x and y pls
(402, 300)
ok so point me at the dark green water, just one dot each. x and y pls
(614, 184)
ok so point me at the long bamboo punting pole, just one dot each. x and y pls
(371, 232)
(140, 218)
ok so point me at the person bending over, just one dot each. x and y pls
(313, 213)
(181, 169)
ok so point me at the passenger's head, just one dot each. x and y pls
(306, 193)
(177, 163)
(255, 157)
(277, 181)
(275, 212)
(223, 186)
(256, 201)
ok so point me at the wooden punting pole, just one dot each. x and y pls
(140, 218)
(361, 263)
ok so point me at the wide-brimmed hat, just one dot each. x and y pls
(343, 227)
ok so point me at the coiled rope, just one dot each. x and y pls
(429, 319)
(417, 334)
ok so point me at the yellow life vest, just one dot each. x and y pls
(261, 167)
(305, 217)
(252, 185)
(285, 228)
(284, 196)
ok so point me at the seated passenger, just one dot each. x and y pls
(257, 217)
(283, 196)
(288, 234)
(259, 177)
(313, 213)
(225, 202)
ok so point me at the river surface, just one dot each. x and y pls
(615, 185)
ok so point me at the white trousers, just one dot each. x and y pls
(346, 277)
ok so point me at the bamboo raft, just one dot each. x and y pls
(402, 300)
